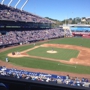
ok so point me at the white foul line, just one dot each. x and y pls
(67, 65)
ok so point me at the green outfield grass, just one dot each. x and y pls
(73, 41)
(49, 65)
(63, 54)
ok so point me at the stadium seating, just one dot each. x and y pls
(43, 77)
(12, 14)
(12, 37)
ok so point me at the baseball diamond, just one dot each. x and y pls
(28, 58)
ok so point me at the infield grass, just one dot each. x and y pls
(63, 54)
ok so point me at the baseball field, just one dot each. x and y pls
(63, 55)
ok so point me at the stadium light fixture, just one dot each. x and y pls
(17, 3)
(2, 2)
(24, 4)
(65, 21)
(10, 3)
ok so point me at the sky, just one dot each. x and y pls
(56, 9)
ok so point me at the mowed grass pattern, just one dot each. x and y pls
(63, 54)
(73, 41)
(49, 65)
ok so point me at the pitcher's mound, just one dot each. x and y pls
(51, 51)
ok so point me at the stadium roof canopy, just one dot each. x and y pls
(21, 9)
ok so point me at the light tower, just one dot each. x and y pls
(2, 2)
(66, 20)
(24, 5)
(10, 3)
(17, 4)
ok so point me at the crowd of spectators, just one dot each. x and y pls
(43, 77)
(25, 36)
(12, 14)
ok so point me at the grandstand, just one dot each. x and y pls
(21, 27)
(27, 24)
(12, 14)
